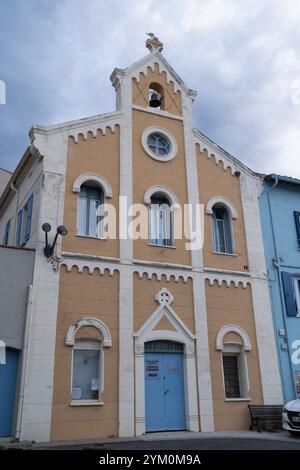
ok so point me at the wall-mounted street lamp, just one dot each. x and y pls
(49, 249)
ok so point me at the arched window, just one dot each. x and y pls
(87, 367)
(88, 338)
(161, 221)
(221, 227)
(90, 211)
(233, 342)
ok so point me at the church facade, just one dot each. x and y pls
(151, 331)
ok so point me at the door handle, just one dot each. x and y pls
(167, 391)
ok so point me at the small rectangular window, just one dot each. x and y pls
(231, 376)
(86, 374)
(6, 233)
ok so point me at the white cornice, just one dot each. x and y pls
(80, 126)
(152, 269)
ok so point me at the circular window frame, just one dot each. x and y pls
(173, 144)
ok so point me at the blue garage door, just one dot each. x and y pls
(164, 386)
(8, 381)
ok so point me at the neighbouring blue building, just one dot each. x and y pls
(280, 217)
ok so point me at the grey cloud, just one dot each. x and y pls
(242, 57)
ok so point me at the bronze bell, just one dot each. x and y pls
(155, 100)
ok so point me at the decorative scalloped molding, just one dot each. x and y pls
(111, 267)
(150, 60)
(92, 266)
(81, 126)
(227, 281)
(220, 155)
(160, 274)
(212, 154)
(161, 69)
(93, 129)
(152, 272)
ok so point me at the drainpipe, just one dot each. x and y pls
(276, 264)
(24, 363)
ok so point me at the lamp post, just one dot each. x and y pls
(61, 230)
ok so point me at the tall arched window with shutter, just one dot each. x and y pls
(221, 226)
(161, 221)
(90, 211)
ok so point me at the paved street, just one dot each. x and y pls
(234, 440)
(208, 444)
(243, 440)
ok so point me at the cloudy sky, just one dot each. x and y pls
(242, 58)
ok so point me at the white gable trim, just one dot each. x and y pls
(182, 333)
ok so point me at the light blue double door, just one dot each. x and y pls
(164, 391)
(8, 381)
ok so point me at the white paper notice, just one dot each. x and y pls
(94, 384)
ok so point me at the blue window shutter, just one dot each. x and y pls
(19, 227)
(297, 222)
(28, 217)
(6, 233)
(228, 234)
(289, 294)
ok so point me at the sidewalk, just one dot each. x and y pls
(177, 435)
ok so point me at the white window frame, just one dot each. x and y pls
(237, 350)
(159, 130)
(89, 345)
(296, 280)
(100, 211)
(215, 234)
(167, 222)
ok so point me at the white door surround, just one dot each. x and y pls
(180, 334)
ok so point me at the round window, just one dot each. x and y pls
(159, 144)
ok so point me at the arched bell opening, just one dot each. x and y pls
(156, 96)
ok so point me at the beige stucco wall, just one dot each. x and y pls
(144, 303)
(215, 181)
(231, 305)
(85, 295)
(140, 91)
(101, 156)
(148, 172)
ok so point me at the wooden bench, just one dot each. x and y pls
(270, 413)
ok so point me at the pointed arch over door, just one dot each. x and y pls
(179, 334)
